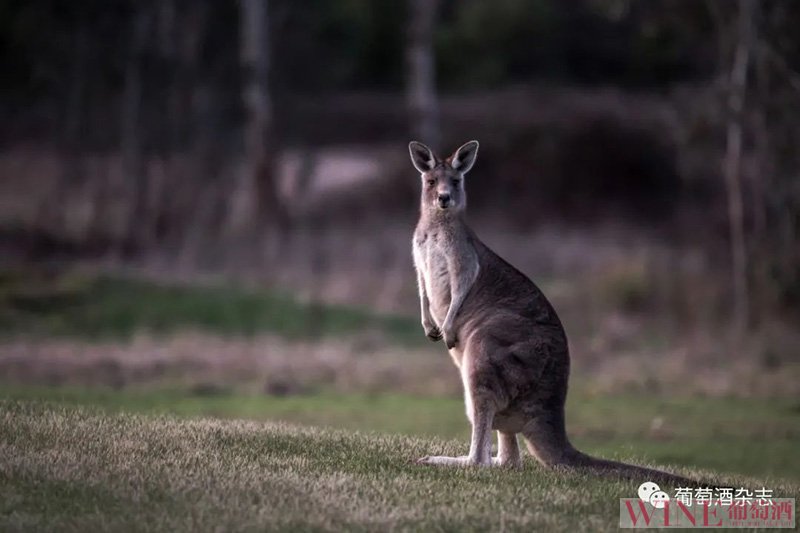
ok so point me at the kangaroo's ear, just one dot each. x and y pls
(463, 159)
(421, 156)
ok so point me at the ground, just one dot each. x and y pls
(66, 466)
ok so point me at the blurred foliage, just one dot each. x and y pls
(641, 45)
(359, 43)
(587, 168)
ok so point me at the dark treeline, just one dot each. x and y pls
(64, 57)
(645, 110)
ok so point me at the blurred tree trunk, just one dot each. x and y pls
(52, 215)
(258, 135)
(71, 142)
(172, 127)
(133, 170)
(187, 113)
(760, 182)
(732, 165)
(169, 37)
(421, 98)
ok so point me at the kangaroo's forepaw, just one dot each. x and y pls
(433, 333)
(450, 340)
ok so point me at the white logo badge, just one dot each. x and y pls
(651, 493)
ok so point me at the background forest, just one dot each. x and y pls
(637, 160)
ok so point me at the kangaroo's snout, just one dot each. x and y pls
(444, 200)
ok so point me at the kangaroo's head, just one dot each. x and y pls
(443, 180)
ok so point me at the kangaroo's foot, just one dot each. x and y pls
(441, 460)
(444, 460)
(464, 460)
(507, 462)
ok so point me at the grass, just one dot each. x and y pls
(70, 468)
(101, 308)
(754, 436)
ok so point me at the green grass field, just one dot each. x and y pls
(104, 460)
(757, 437)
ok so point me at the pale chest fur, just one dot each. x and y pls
(439, 256)
(430, 258)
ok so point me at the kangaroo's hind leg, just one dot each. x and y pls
(480, 449)
(481, 407)
(546, 438)
(507, 451)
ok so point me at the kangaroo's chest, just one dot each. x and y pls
(431, 259)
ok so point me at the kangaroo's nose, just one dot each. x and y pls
(444, 198)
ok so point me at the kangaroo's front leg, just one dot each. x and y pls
(463, 272)
(428, 324)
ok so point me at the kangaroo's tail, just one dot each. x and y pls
(547, 440)
(581, 461)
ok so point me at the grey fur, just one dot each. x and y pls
(501, 332)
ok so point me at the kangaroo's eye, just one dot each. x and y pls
(431, 182)
(456, 181)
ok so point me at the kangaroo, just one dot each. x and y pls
(502, 333)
